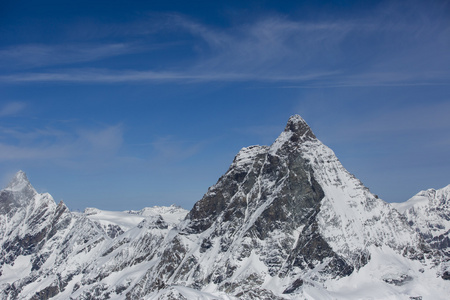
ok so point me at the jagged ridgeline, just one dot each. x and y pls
(286, 221)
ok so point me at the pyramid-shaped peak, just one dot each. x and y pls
(296, 119)
(299, 128)
(19, 182)
(20, 176)
(296, 123)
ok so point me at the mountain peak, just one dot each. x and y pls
(298, 126)
(296, 132)
(19, 182)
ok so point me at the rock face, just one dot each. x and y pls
(288, 213)
(286, 221)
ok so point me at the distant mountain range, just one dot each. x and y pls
(286, 221)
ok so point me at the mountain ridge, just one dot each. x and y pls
(286, 221)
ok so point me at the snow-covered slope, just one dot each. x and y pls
(351, 218)
(286, 221)
(113, 223)
(171, 214)
(428, 212)
(117, 222)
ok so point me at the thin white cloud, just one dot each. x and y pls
(105, 140)
(377, 78)
(415, 118)
(170, 149)
(305, 80)
(272, 46)
(114, 76)
(430, 119)
(37, 55)
(51, 144)
(12, 108)
(14, 152)
(395, 45)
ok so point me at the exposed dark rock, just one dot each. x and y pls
(399, 281)
(46, 293)
(294, 286)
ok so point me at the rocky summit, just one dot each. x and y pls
(286, 221)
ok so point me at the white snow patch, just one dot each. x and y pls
(122, 219)
(175, 292)
(388, 275)
(416, 201)
(126, 220)
(21, 267)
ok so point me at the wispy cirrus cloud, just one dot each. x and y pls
(170, 149)
(12, 108)
(71, 147)
(41, 55)
(426, 122)
(394, 45)
(114, 76)
(273, 45)
(430, 117)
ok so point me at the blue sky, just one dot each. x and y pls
(126, 104)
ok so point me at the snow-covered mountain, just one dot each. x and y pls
(286, 221)
(48, 251)
(428, 213)
(43, 245)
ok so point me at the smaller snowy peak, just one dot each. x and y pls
(92, 211)
(19, 183)
(20, 193)
(424, 199)
(428, 213)
(415, 202)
